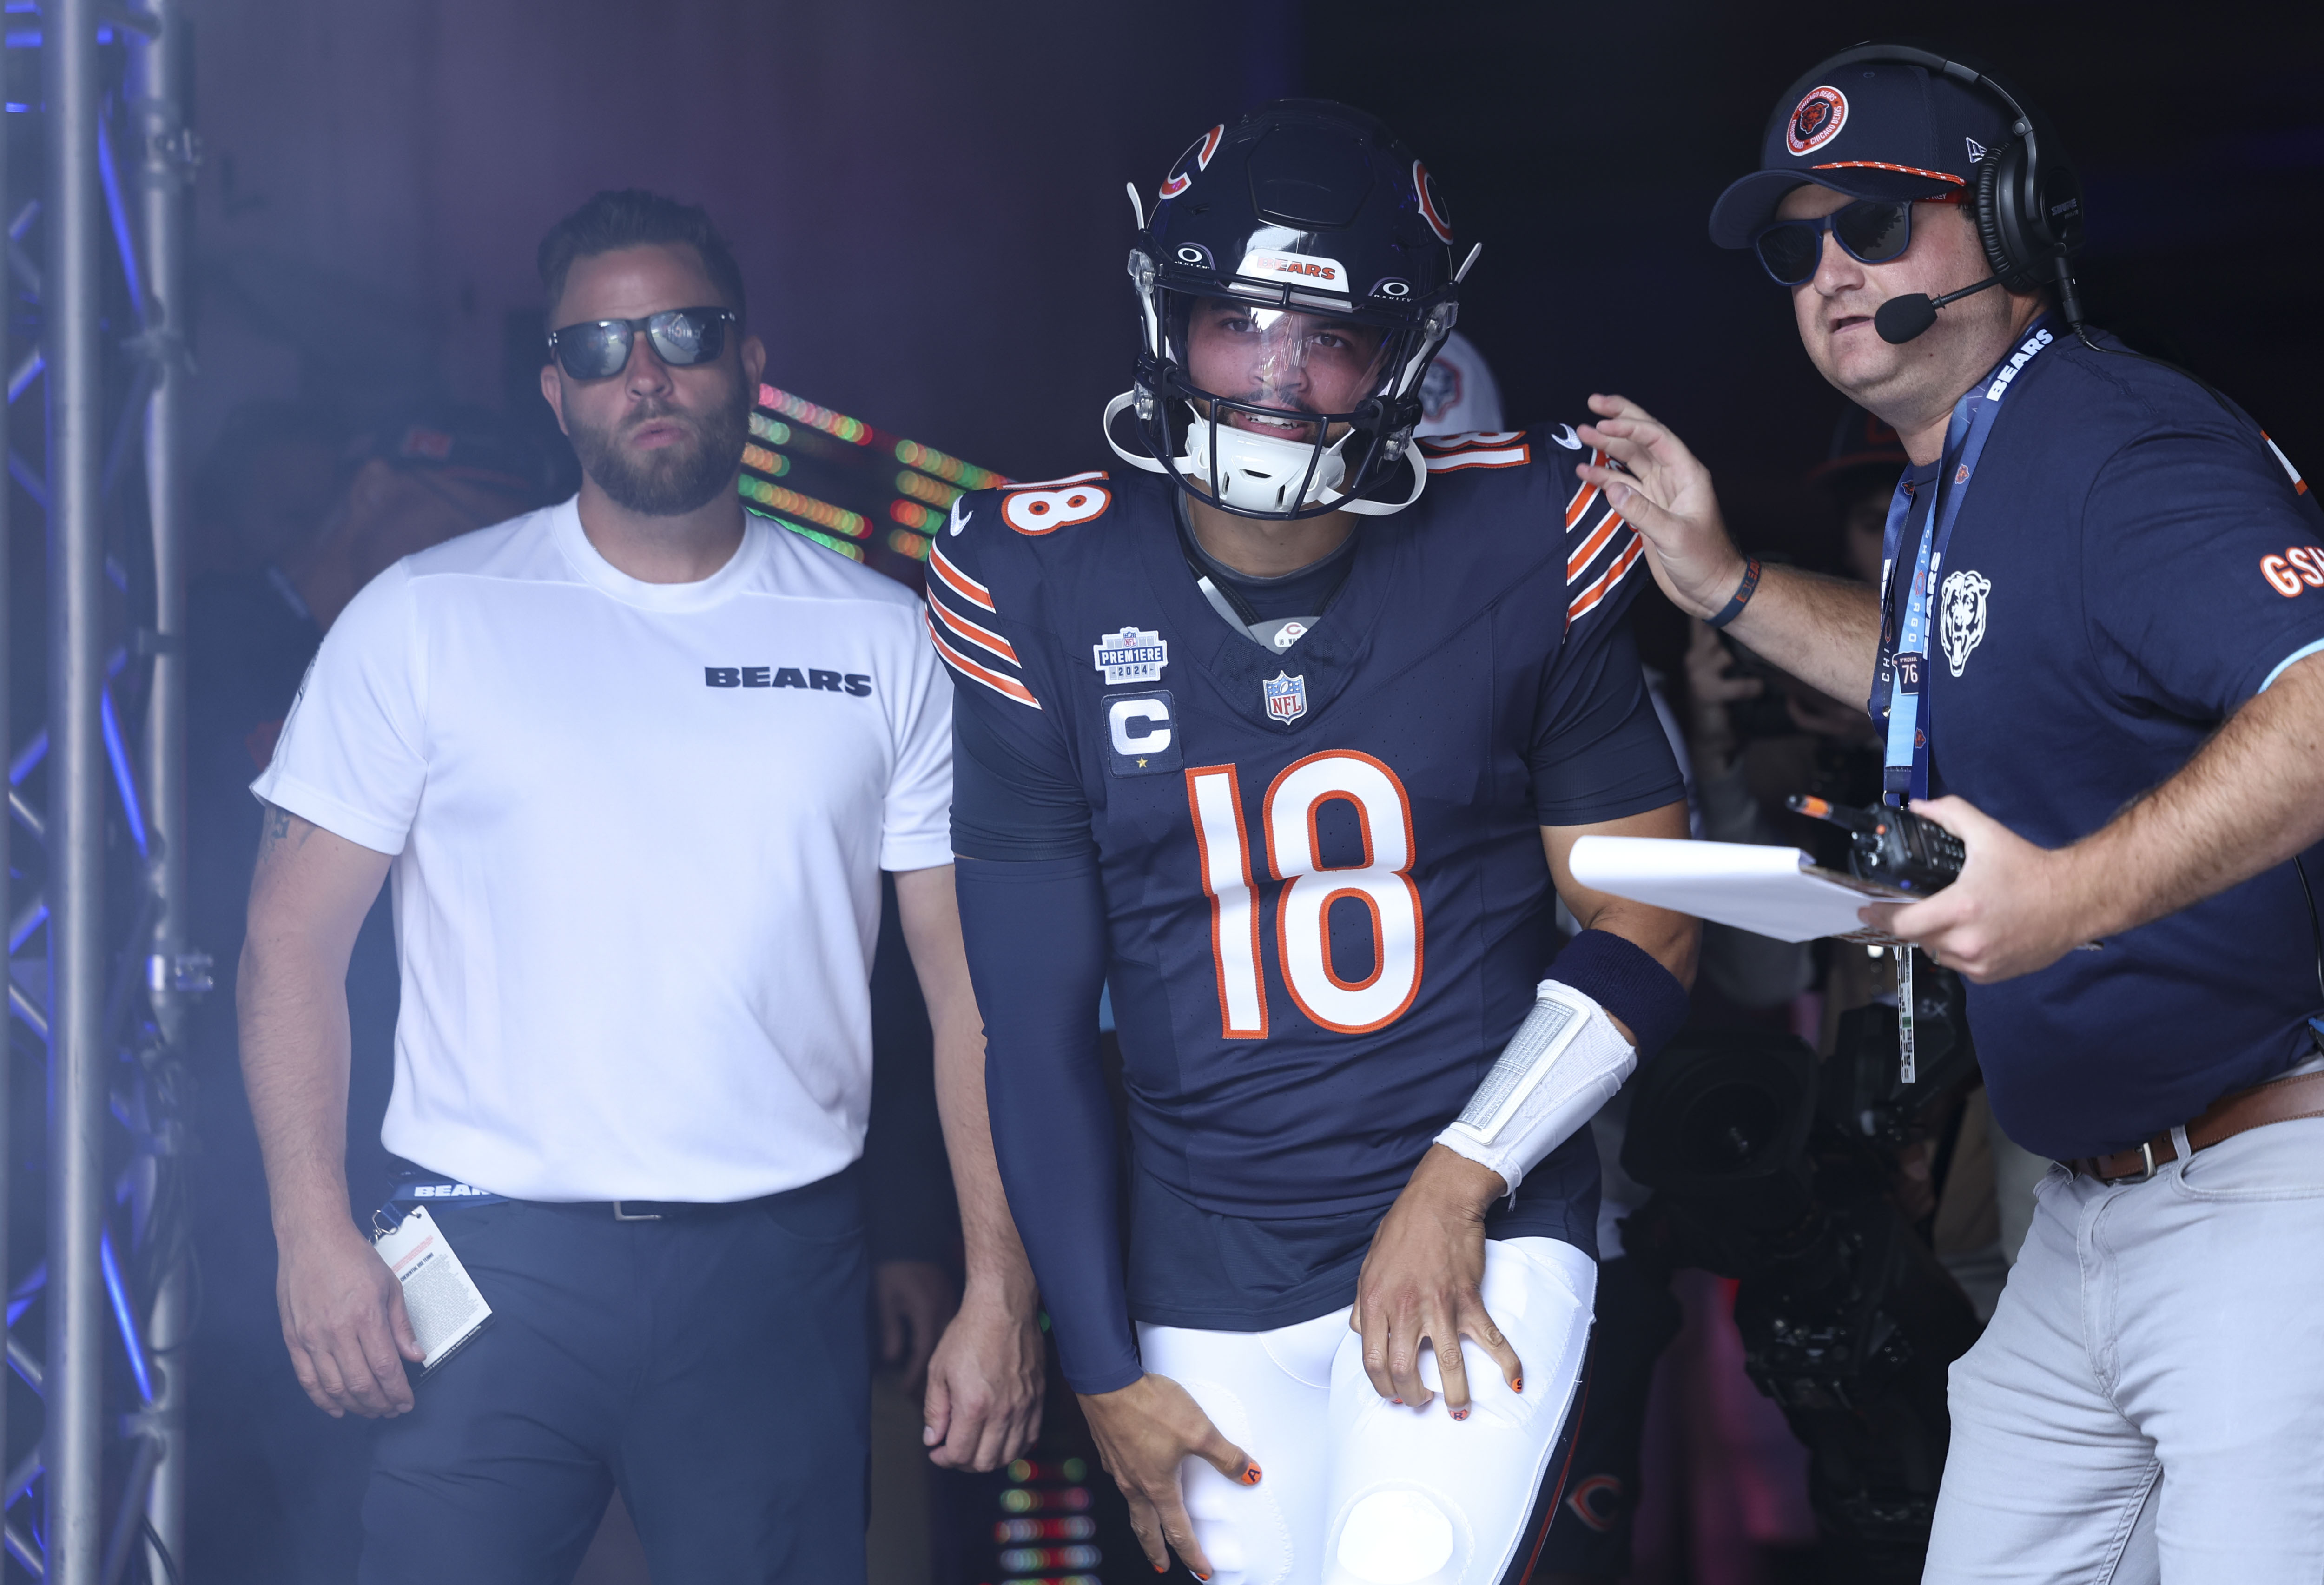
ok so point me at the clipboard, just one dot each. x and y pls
(1774, 892)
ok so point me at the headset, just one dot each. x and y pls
(2028, 209)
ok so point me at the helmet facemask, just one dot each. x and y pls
(1275, 409)
(1272, 405)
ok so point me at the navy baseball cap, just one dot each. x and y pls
(1873, 130)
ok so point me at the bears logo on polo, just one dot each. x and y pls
(1816, 120)
(1960, 616)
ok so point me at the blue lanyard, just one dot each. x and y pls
(1899, 692)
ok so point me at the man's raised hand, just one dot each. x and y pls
(1666, 497)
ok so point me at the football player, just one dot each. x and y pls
(1286, 735)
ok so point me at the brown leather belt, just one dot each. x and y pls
(2279, 1101)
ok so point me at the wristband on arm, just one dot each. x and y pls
(1741, 597)
(1567, 1059)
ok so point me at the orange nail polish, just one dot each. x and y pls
(1518, 1385)
(1460, 1414)
(1251, 1476)
(1398, 1402)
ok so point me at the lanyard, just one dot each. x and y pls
(1898, 690)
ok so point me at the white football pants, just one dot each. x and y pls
(1356, 1490)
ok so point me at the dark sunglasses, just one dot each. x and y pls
(599, 349)
(1874, 231)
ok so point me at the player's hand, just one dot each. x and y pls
(911, 1300)
(2014, 908)
(1144, 1432)
(985, 1382)
(344, 1320)
(1667, 497)
(1421, 1284)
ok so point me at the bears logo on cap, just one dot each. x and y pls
(1816, 120)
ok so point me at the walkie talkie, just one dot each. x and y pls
(1891, 847)
(1894, 847)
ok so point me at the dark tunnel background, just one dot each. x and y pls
(928, 198)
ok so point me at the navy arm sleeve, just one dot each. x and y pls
(1599, 750)
(1036, 932)
(1004, 806)
(1032, 913)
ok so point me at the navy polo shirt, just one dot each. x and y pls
(2132, 563)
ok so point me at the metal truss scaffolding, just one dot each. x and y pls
(97, 282)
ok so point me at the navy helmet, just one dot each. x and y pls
(1295, 280)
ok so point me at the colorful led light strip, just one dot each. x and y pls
(821, 514)
(829, 543)
(855, 431)
(921, 487)
(940, 479)
(929, 460)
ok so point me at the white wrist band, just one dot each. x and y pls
(1565, 1061)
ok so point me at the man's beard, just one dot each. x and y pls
(673, 480)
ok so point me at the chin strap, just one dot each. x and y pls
(1359, 505)
(1364, 507)
(1137, 459)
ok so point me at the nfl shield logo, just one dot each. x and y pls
(1286, 697)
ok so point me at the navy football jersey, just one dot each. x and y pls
(1327, 898)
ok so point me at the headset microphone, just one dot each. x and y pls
(1901, 319)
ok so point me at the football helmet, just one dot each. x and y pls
(1293, 283)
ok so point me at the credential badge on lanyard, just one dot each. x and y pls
(1897, 687)
(446, 1307)
(1899, 692)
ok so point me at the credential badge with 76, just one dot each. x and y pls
(1131, 654)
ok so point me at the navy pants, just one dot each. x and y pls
(713, 1366)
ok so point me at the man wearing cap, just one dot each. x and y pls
(637, 763)
(2096, 655)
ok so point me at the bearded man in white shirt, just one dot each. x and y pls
(635, 763)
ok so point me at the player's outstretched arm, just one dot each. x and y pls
(1823, 630)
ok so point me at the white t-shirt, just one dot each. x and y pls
(638, 831)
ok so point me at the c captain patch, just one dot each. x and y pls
(1142, 734)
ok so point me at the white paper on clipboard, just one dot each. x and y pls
(1774, 892)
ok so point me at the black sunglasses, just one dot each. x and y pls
(1874, 231)
(599, 349)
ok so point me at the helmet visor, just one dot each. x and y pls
(1283, 373)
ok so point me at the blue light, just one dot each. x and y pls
(27, 1290)
(122, 776)
(113, 205)
(130, 1342)
(30, 760)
